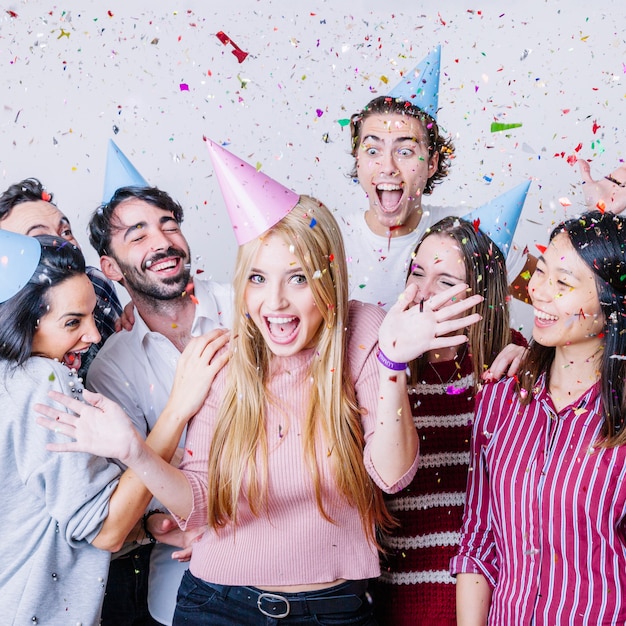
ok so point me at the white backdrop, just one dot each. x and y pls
(157, 79)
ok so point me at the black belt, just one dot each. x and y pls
(279, 605)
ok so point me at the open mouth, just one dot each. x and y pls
(544, 319)
(389, 196)
(283, 329)
(165, 266)
(74, 359)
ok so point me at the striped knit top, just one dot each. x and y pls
(546, 511)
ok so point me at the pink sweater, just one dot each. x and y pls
(290, 543)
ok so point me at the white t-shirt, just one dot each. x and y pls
(136, 369)
(378, 266)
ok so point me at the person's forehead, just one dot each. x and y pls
(393, 123)
(134, 210)
(26, 215)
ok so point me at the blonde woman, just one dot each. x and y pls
(300, 434)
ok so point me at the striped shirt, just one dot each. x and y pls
(545, 511)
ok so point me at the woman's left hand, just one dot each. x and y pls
(408, 331)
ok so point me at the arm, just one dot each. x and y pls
(103, 429)
(406, 333)
(473, 599)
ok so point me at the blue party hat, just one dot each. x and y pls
(120, 172)
(420, 86)
(19, 257)
(499, 217)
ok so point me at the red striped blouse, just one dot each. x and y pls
(545, 511)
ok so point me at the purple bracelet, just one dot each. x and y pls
(388, 363)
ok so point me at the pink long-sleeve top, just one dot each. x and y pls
(291, 543)
(545, 515)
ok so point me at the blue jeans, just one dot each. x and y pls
(202, 604)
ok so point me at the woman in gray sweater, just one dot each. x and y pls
(61, 514)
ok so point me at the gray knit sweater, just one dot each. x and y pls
(53, 505)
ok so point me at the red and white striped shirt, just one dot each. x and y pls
(545, 511)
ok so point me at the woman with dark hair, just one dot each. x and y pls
(543, 540)
(415, 586)
(61, 514)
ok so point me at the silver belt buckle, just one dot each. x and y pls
(273, 597)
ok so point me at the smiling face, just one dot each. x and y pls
(38, 218)
(67, 329)
(393, 167)
(279, 299)
(565, 298)
(149, 254)
(437, 266)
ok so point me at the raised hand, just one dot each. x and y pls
(98, 426)
(197, 367)
(409, 330)
(606, 194)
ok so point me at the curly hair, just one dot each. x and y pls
(437, 143)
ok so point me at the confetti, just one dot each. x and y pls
(237, 51)
(496, 127)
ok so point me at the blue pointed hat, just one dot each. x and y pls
(19, 257)
(420, 86)
(120, 172)
(499, 217)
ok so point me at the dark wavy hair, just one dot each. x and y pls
(27, 190)
(485, 274)
(437, 143)
(600, 241)
(101, 224)
(20, 315)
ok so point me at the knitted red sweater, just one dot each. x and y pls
(415, 586)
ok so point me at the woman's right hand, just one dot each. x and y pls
(197, 367)
(98, 426)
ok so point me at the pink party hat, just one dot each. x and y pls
(499, 217)
(19, 257)
(420, 86)
(255, 202)
(120, 172)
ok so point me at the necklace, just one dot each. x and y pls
(447, 385)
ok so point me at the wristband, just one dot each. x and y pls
(388, 363)
(144, 524)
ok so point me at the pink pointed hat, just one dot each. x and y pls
(420, 86)
(120, 172)
(255, 202)
(499, 217)
(19, 257)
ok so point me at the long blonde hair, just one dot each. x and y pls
(239, 448)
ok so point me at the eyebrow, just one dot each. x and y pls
(138, 225)
(416, 266)
(70, 314)
(62, 222)
(396, 140)
(562, 270)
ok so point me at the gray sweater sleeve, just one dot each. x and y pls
(72, 488)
